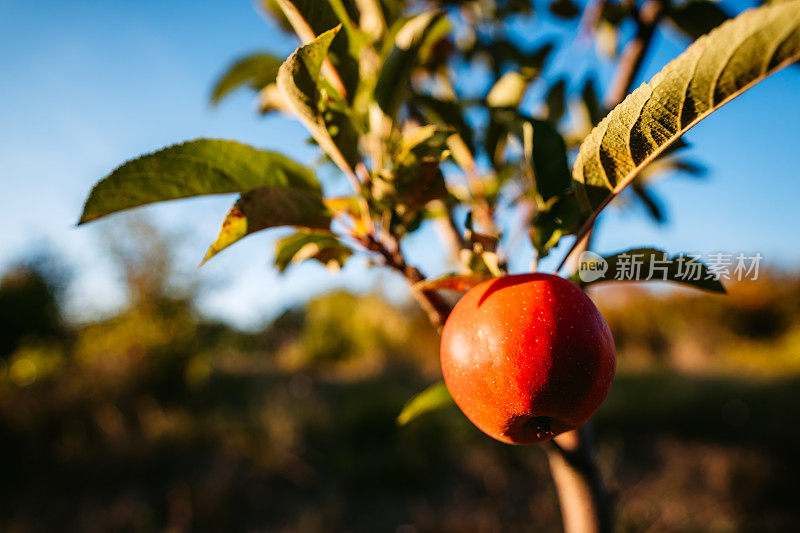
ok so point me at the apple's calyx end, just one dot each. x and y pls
(531, 429)
(540, 426)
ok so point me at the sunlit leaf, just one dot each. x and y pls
(434, 397)
(711, 72)
(299, 82)
(321, 246)
(256, 71)
(268, 207)
(195, 168)
(508, 91)
(310, 19)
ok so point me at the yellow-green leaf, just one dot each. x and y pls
(299, 82)
(434, 397)
(319, 245)
(257, 71)
(268, 207)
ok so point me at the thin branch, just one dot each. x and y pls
(630, 62)
(431, 302)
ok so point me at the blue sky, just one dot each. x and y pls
(87, 85)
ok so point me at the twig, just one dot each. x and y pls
(630, 62)
(431, 302)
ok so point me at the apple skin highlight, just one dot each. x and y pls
(527, 357)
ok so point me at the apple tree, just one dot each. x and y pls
(441, 112)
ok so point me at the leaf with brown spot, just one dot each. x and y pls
(268, 207)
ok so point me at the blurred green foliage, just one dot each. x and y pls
(155, 418)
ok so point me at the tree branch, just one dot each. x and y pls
(431, 302)
(586, 506)
(630, 62)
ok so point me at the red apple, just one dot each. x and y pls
(527, 357)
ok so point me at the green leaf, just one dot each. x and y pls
(195, 168)
(549, 152)
(445, 114)
(311, 18)
(402, 59)
(649, 260)
(317, 14)
(269, 207)
(711, 72)
(504, 55)
(556, 101)
(256, 71)
(299, 82)
(321, 246)
(434, 397)
(697, 17)
(559, 217)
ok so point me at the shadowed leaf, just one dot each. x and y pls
(643, 263)
(556, 101)
(545, 148)
(697, 17)
(564, 9)
(445, 114)
(403, 57)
